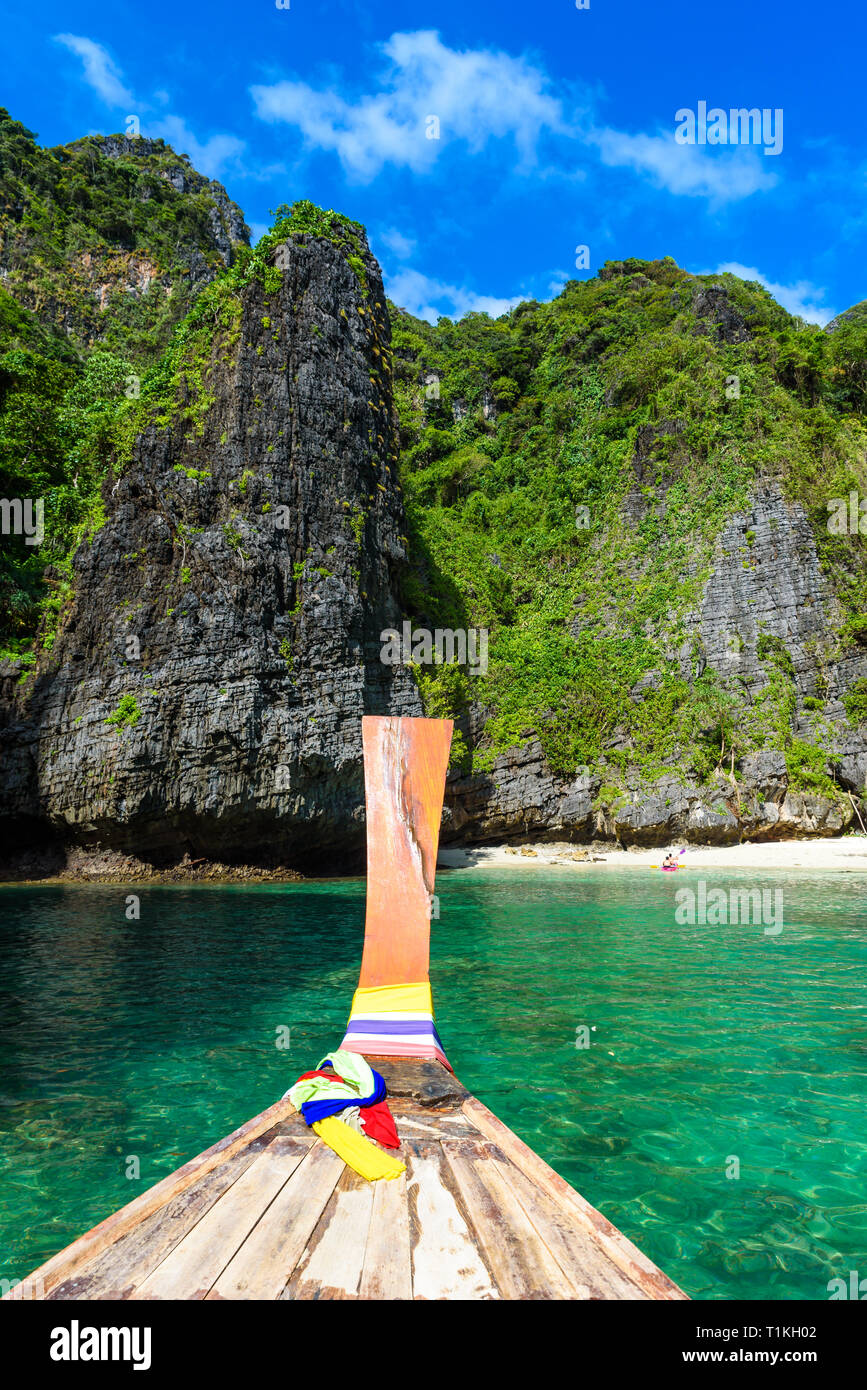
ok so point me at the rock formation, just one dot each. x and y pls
(218, 639)
(227, 615)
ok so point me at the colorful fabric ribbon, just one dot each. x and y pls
(362, 1156)
(377, 1122)
(394, 1021)
(357, 1093)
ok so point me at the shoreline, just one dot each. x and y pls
(838, 854)
(108, 867)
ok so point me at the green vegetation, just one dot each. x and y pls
(305, 217)
(79, 225)
(358, 266)
(195, 475)
(805, 764)
(69, 414)
(126, 714)
(855, 701)
(567, 470)
(233, 538)
(56, 427)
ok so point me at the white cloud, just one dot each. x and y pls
(428, 298)
(100, 70)
(480, 95)
(476, 95)
(210, 157)
(399, 245)
(105, 77)
(803, 298)
(687, 170)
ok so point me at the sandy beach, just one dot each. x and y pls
(844, 854)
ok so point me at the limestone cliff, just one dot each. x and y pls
(770, 587)
(110, 238)
(227, 614)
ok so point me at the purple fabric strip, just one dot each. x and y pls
(377, 1025)
(416, 1028)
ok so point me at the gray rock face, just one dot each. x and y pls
(232, 603)
(766, 582)
(857, 313)
(766, 773)
(519, 797)
(713, 305)
(852, 766)
(669, 808)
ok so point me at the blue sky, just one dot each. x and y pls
(556, 129)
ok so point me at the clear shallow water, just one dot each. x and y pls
(155, 1038)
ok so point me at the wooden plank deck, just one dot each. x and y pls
(477, 1215)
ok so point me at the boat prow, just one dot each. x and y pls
(272, 1212)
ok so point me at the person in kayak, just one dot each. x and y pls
(668, 861)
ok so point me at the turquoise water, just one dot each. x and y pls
(712, 1043)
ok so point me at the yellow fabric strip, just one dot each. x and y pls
(393, 999)
(357, 1151)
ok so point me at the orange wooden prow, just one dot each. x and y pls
(405, 763)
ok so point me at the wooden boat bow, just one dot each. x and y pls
(405, 762)
(270, 1212)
